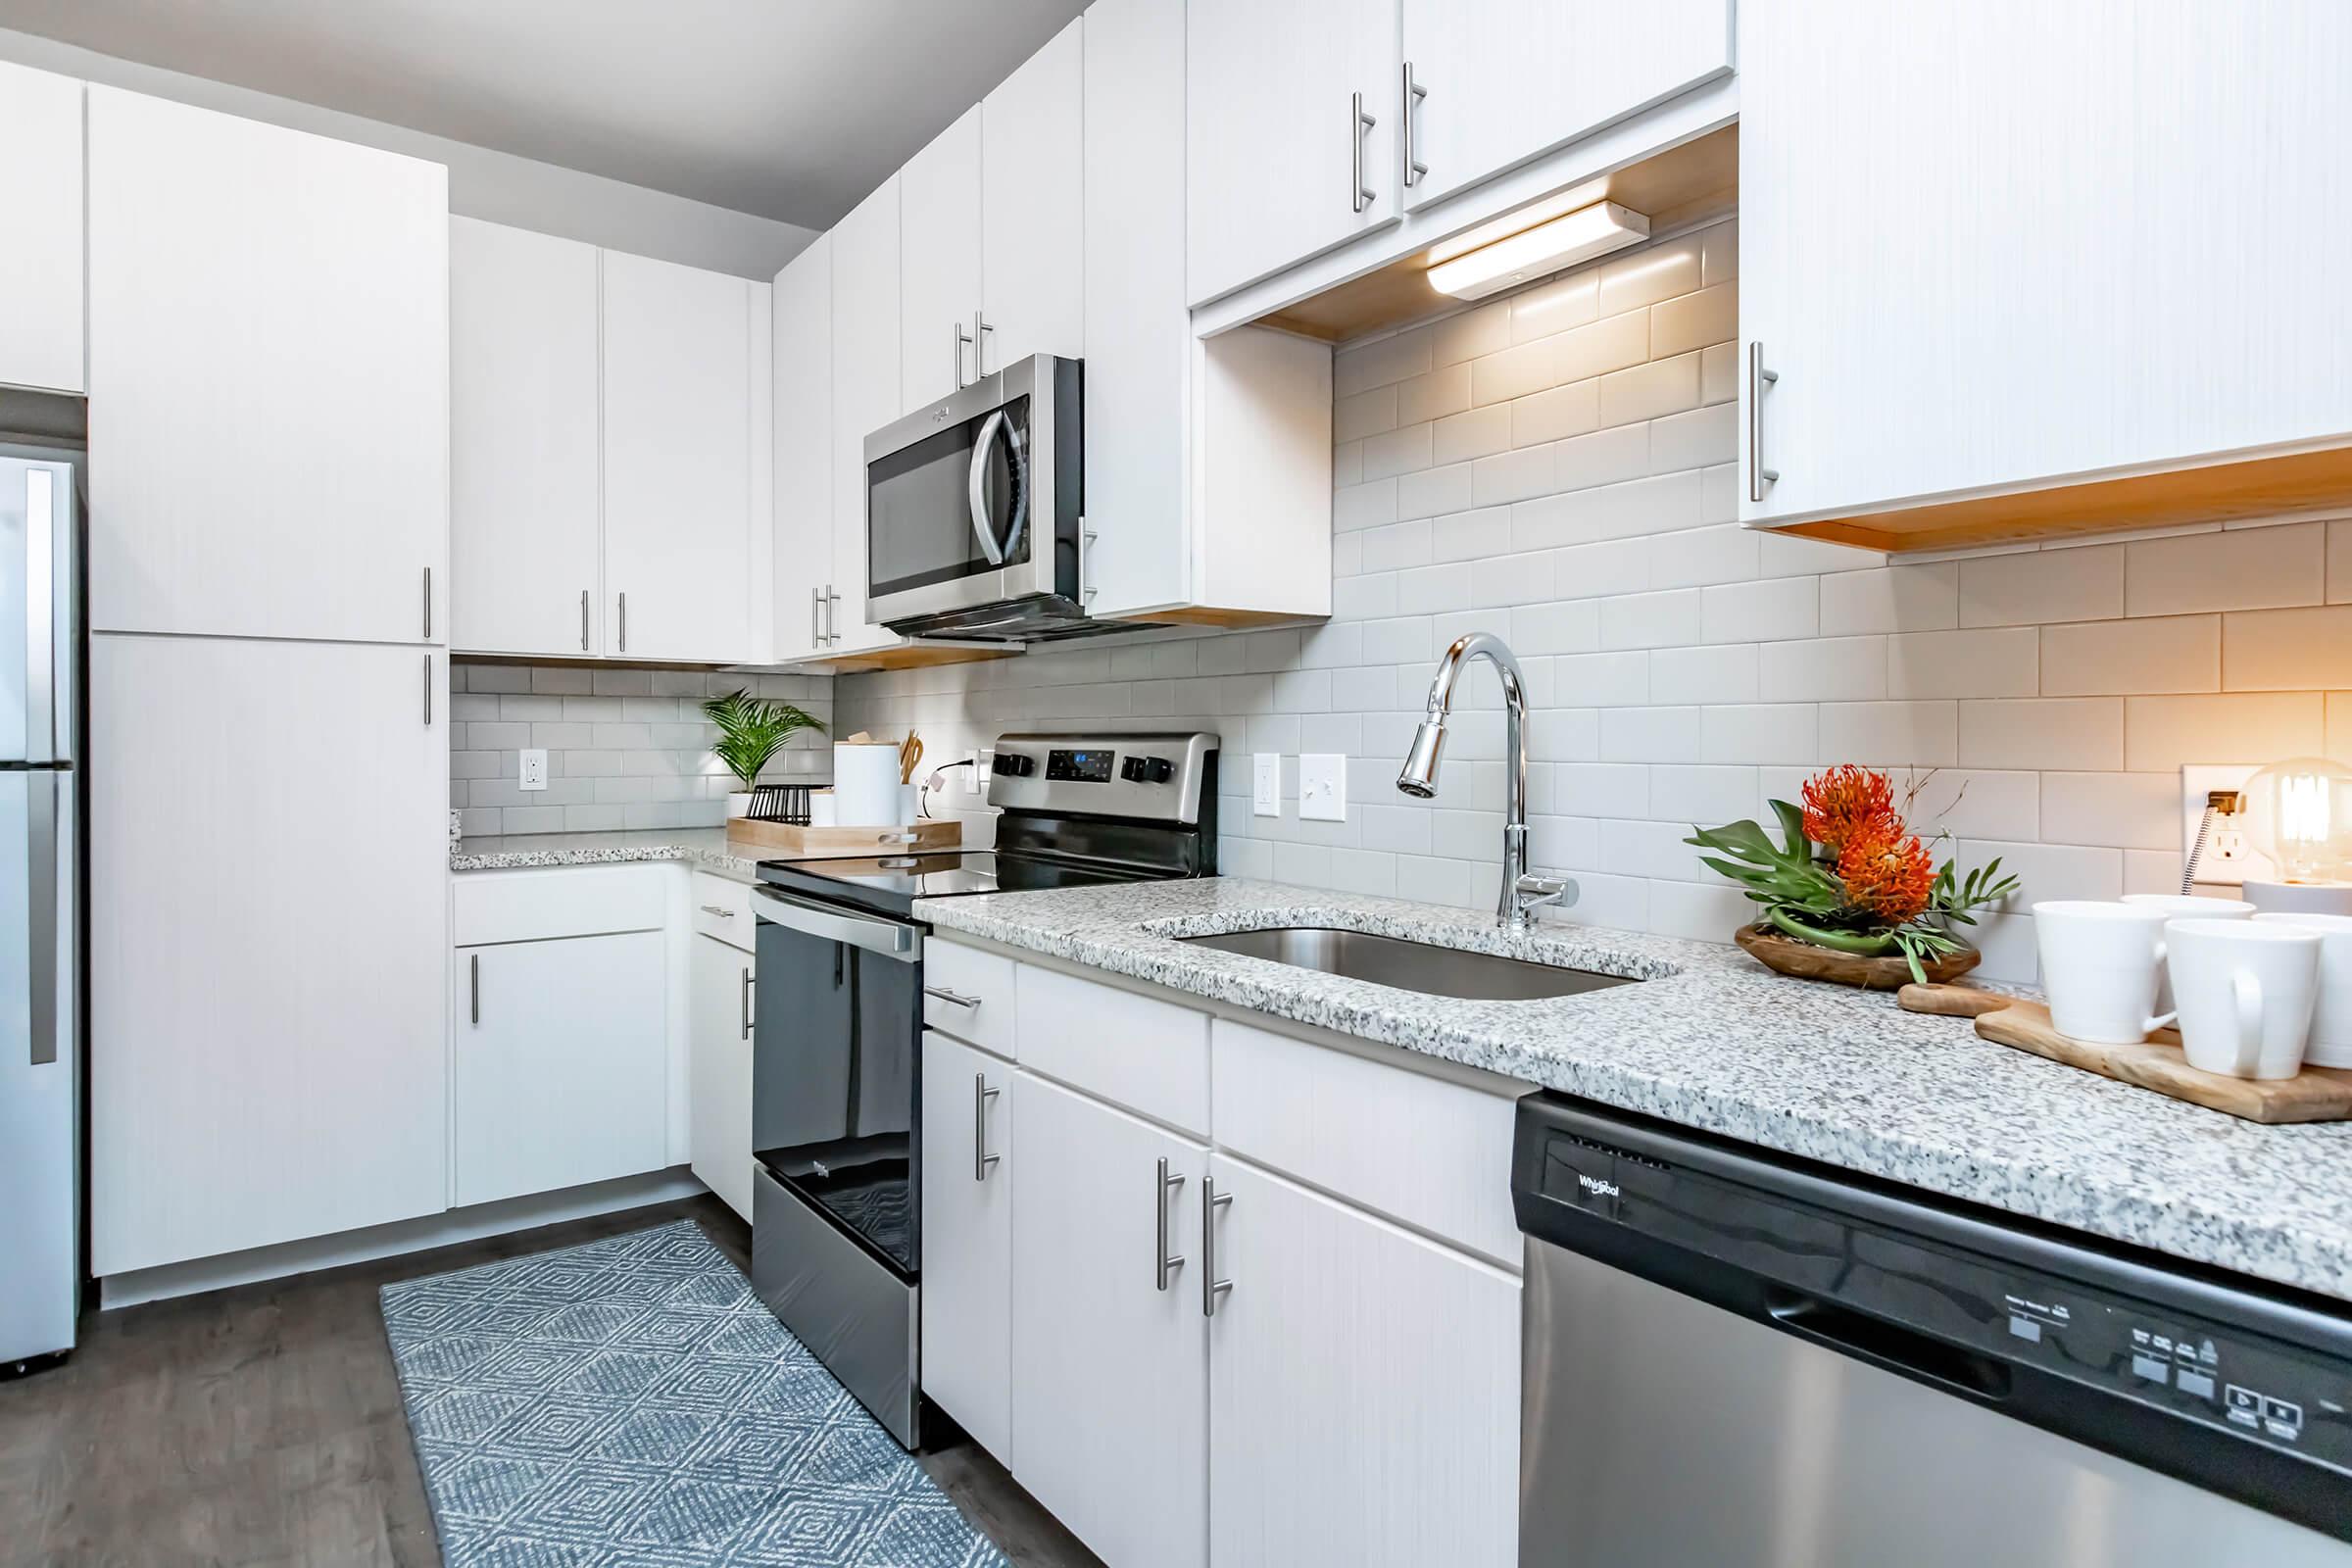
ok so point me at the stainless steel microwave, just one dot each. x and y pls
(973, 509)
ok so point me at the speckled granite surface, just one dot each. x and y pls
(703, 848)
(1711, 1040)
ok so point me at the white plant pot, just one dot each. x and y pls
(739, 803)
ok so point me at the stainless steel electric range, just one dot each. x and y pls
(835, 1068)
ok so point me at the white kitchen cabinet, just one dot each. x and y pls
(559, 1064)
(865, 394)
(1363, 1388)
(268, 959)
(677, 459)
(719, 1069)
(1032, 179)
(939, 273)
(40, 265)
(1109, 1351)
(803, 327)
(1208, 462)
(1290, 125)
(1509, 80)
(268, 358)
(968, 1161)
(2133, 305)
(525, 412)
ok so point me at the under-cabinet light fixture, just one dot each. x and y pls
(1563, 241)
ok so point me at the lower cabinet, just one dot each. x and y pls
(1110, 1346)
(559, 1066)
(1363, 1388)
(718, 1070)
(967, 1166)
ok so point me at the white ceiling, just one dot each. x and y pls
(790, 108)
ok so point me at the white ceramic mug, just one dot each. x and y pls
(2330, 1041)
(2246, 990)
(2180, 906)
(2099, 965)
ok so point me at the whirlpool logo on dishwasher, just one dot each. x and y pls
(1598, 1187)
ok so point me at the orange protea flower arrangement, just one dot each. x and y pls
(1850, 875)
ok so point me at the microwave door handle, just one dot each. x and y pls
(976, 488)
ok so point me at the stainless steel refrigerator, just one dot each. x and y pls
(40, 904)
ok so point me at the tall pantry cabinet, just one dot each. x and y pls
(269, 380)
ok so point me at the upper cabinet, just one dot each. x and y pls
(802, 297)
(678, 458)
(2074, 286)
(865, 397)
(269, 367)
(939, 268)
(1291, 129)
(523, 411)
(40, 265)
(1490, 84)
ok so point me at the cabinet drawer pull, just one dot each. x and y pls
(962, 338)
(478, 986)
(583, 620)
(954, 998)
(428, 691)
(747, 1005)
(1758, 379)
(1211, 1286)
(722, 913)
(624, 623)
(980, 331)
(816, 610)
(1360, 123)
(982, 1160)
(429, 604)
(1414, 169)
(1166, 1189)
(832, 614)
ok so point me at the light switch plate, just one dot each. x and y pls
(1265, 788)
(534, 769)
(1323, 787)
(2227, 859)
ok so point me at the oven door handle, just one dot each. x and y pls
(889, 938)
(976, 488)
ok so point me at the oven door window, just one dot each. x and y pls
(833, 1084)
(921, 525)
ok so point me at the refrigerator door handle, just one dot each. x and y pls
(41, 912)
(41, 627)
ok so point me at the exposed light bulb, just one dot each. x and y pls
(2299, 817)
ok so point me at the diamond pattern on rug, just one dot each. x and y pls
(631, 1405)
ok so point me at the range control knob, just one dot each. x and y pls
(1158, 770)
(1132, 769)
(1012, 764)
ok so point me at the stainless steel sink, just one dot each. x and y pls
(1409, 965)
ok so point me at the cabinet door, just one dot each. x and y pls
(559, 1069)
(40, 265)
(523, 441)
(1363, 1390)
(1031, 187)
(269, 379)
(1111, 1370)
(1138, 332)
(719, 1071)
(1277, 160)
(967, 1162)
(2127, 306)
(1509, 80)
(865, 394)
(677, 446)
(269, 1046)
(939, 275)
(804, 441)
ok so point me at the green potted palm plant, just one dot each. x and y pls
(751, 730)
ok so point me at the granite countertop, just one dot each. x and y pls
(703, 847)
(1711, 1040)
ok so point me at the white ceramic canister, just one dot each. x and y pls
(865, 784)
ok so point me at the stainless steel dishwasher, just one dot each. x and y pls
(1736, 1358)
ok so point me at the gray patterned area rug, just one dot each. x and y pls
(630, 1404)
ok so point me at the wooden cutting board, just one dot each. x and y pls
(2316, 1094)
(777, 839)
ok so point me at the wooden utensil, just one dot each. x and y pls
(910, 753)
(2316, 1094)
(1950, 1001)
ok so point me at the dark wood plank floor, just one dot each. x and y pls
(262, 1426)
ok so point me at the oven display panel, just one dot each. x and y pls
(1092, 768)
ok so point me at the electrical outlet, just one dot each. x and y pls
(2226, 859)
(534, 770)
(972, 774)
(1265, 790)
(1323, 787)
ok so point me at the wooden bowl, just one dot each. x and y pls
(1805, 962)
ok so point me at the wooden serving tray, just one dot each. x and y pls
(2316, 1094)
(788, 838)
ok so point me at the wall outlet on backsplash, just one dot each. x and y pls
(532, 775)
(2226, 859)
(1265, 788)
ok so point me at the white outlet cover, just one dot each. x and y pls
(2226, 861)
(533, 769)
(1323, 787)
(1265, 788)
(972, 774)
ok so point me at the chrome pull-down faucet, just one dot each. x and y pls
(1418, 777)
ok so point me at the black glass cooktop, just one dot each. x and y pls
(889, 884)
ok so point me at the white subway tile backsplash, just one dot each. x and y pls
(1399, 451)
(2165, 732)
(1725, 673)
(1381, 361)
(2269, 650)
(1650, 391)
(2115, 658)
(1430, 492)
(1840, 669)
(2084, 733)
(1433, 393)
(1459, 437)
(1911, 734)
(1651, 620)
(1695, 321)
(1653, 274)
(1693, 558)
(1511, 475)
(1650, 734)
(2261, 569)
(1616, 343)
(1890, 599)
(1366, 414)
(1555, 412)
(1555, 306)
(1767, 610)
(1471, 534)
(2123, 810)
(1472, 335)
(2025, 590)
(1999, 661)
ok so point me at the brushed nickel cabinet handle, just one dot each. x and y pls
(428, 691)
(1362, 195)
(1211, 1286)
(429, 604)
(746, 998)
(981, 327)
(722, 913)
(583, 620)
(982, 1160)
(1758, 379)
(1167, 1187)
(963, 340)
(625, 622)
(1414, 169)
(956, 997)
(478, 986)
(816, 610)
